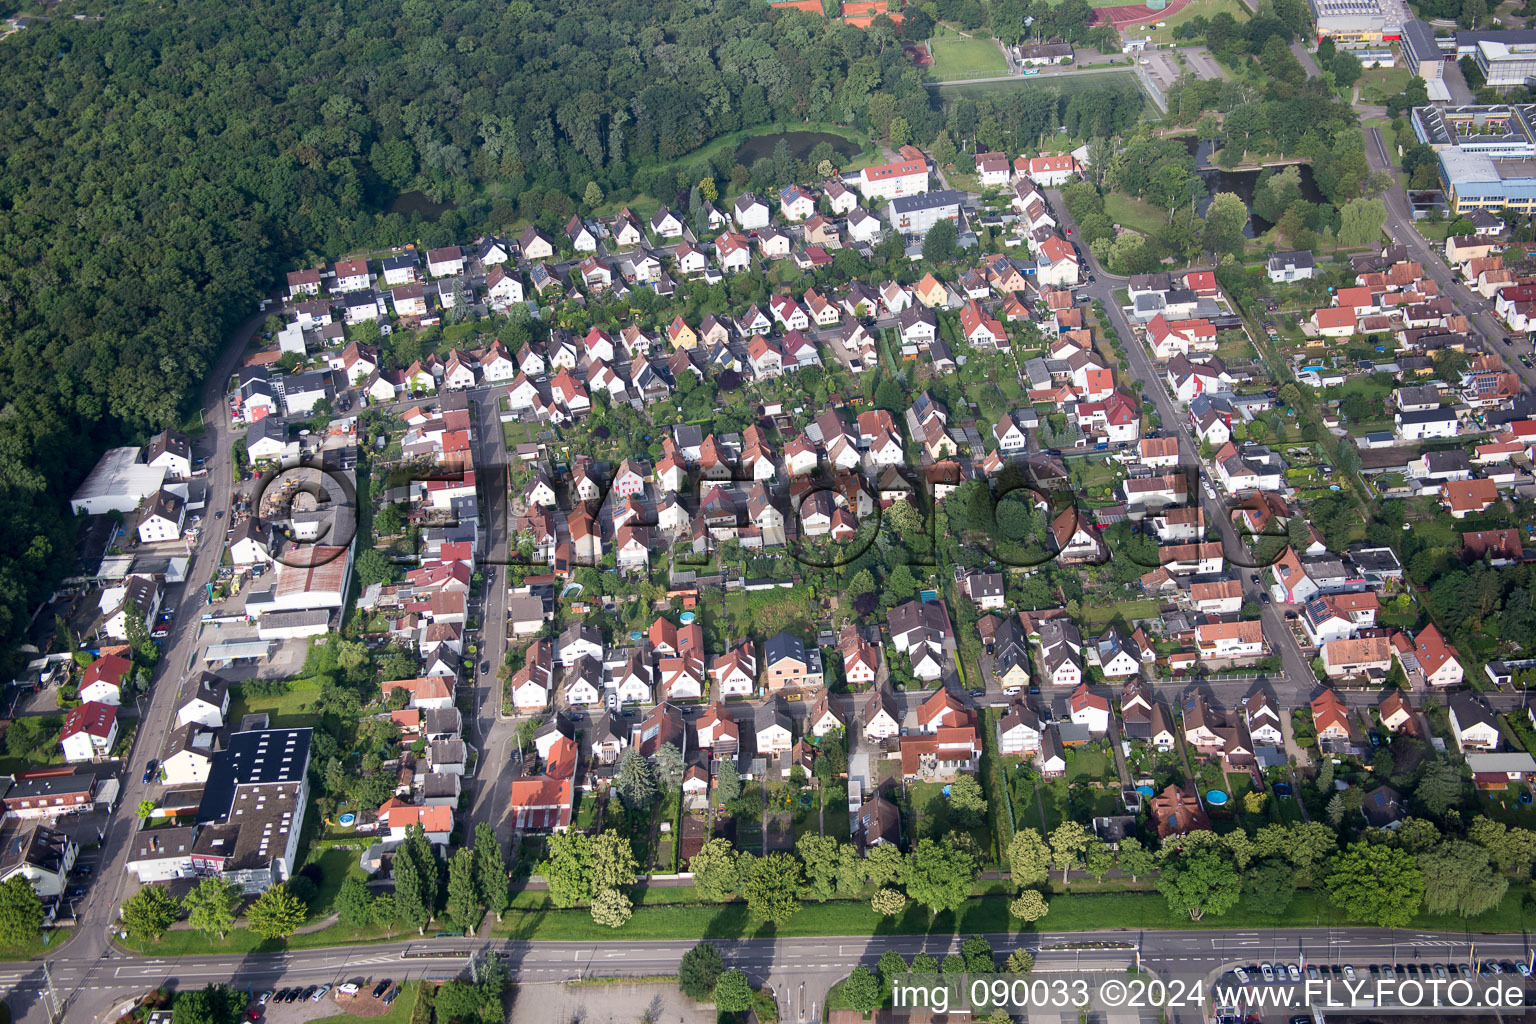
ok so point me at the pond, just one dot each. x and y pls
(800, 146)
(1240, 183)
(408, 203)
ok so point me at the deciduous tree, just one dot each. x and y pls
(1029, 906)
(1199, 883)
(277, 913)
(1376, 884)
(733, 993)
(611, 908)
(938, 875)
(1029, 858)
(211, 906)
(699, 970)
(771, 885)
(714, 871)
(1458, 879)
(887, 902)
(149, 913)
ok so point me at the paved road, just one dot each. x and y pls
(1400, 225)
(495, 735)
(1297, 672)
(98, 985)
(176, 670)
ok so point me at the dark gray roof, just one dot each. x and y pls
(926, 201)
(784, 645)
(1299, 259)
(257, 756)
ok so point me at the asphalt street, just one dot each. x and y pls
(97, 985)
(1297, 678)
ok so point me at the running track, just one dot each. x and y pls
(1122, 17)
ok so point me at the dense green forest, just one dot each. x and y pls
(165, 162)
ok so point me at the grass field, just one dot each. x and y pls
(293, 708)
(34, 947)
(1074, 911)
(1209, 8)
(1377, 85)
(1133, 213)
(1066, 84)
(958, 57)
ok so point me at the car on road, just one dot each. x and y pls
(978, 693)
(1268, 970)
(149, 771)
(382, 987)
(485, 667)
(219, 514)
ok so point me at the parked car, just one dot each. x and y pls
(149, 771)
(382, 987)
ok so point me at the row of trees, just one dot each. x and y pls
(476, 882)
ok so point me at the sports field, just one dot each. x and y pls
(958, 57)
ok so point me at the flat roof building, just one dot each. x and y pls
(1500, 130)
(1423, 53)
(118, 483)
(914, 215)
(1352, 23)
(1476, 181)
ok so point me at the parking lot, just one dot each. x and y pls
(293, 1006)
(1275, 991)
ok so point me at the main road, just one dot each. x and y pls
(1401, 226)
(97, 986)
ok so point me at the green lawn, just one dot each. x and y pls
(1128, 610)
(399, 1010)
(1069, 912)
(1133, 213)
(34, 947)
(188, 942)
(1377, 85)
(1209, 9)
(958, 57)
(335, 866)
(1065, 84)
(290, 709)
